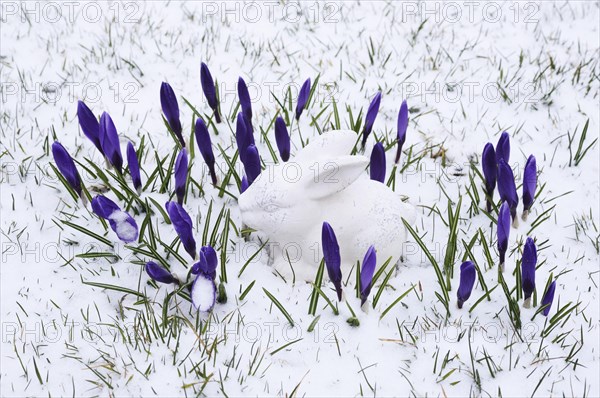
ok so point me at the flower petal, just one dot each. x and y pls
(402, 127)
(205, 146)
(371, 116)
(331, 255)
(182, 223)
(377, 168)
(66, 166)
(366, 274)
(89, 124)
(181, 172)
(528, 263)
(134, 167)
(467, 281)
(282, 138)
(170, 107)
(109, 139)
(302, 98)
(159, 274)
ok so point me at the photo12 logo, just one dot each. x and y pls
(70, 11)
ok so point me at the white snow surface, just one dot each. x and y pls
(452, 62)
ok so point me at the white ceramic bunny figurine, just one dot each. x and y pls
(289, 202)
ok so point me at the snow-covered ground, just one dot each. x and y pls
(468, 71)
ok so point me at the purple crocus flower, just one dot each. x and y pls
(183, 226)
(134, 167)
(109, 140)
(159, 274)
(503, 232)
(210, 92)
(490, 171)
(67, 167)
(366, 274)
(89, 124)
(252, 163)
(467, 280)
(282, 138)
(507, 188)
(243, 184)
(181, 172)
(529, 185)
(241, 136)
(245, 102)
(503, 147)
(548, 298)
(302, 98)
(528, 263)
(377, 168)
(170, 107)
(402, 127)
(120, 221)
(204, 293)
(331, 254)
(205, 146)
(370, 118)
(211, 261)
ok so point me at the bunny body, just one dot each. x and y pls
(289, 202)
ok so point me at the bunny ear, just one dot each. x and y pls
(333, 176)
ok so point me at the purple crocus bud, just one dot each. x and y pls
(209, 267)
(183, 226)
(528, 263)
(134, 167)
(366, 274)
(252, 163)
(467, 280)
(503, 232)
(370, 118)
(331, 254)
(120, 221)
(208, 86)
(503, 147)
(282, 138)
(159, 274)
(529, 185)
(243, 184)
(377, 168)
(181, 172)
(241, 136)
(490, 171)
(109, 140)
(205, 146)
(104, 207)
(507, 188)
(302, 98)
(204, 293)
(168, 102)
(402, 127)
(89, 124)
(245, 101)
(548, 298)
(66, 166)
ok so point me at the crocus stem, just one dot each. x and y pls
(527, 303)
(525, 214)
(502, 266)
(515, 223)
(213, 176)
(217, 116)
